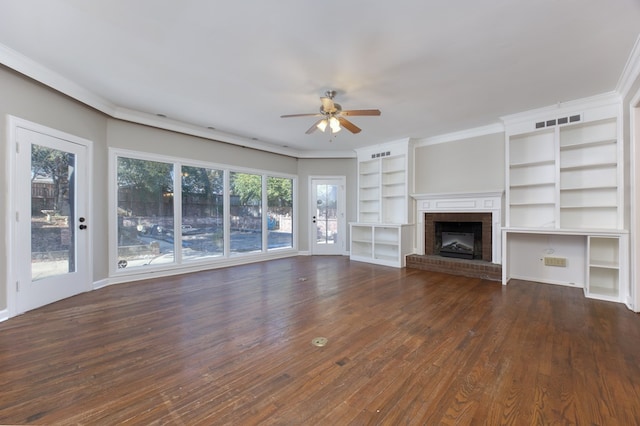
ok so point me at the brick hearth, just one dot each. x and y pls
(484, 207)
(466, 268)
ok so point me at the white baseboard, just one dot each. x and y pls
(545, 281)
(100, 283)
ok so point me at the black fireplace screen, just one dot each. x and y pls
(458, 239)
(457, 244)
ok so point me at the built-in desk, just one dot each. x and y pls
(595, 260)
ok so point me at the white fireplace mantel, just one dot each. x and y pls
(462, 202)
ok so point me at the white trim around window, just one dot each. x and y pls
(117, 275)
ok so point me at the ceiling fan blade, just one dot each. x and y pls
(349, 125)
(301, 115)
(314, 127)
(327, 104)
(352, 112)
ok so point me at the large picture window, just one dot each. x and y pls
(279, 212)
(172, 213)
(202, 213)
(145, 212)
(245, 192)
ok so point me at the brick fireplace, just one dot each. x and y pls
(483, 248)
(457, 209)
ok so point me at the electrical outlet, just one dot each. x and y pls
(555, 261)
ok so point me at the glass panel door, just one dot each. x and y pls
(51, 247)
(53, 178)
(326, 213)
(327, 210)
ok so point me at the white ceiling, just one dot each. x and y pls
(431, 67)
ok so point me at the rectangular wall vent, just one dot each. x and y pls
(558, 121)
(381, 154)
(555, 261)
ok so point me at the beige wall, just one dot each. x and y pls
(24, 98)
(468, 165)
(29, 100)
(122, 134)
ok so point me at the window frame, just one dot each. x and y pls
(179, 264)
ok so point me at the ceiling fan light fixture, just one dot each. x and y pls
(322, 125)
(333, 116)
(334, 124)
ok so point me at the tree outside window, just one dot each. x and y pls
(245, 194)
(145, 212)
(279, 212)
(202, 213)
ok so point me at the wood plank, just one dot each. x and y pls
(405, 346)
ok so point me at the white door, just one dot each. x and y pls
(327, 209)
(50, 234)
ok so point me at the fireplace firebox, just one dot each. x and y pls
(458, 239)
(457, 244)
(458, 230)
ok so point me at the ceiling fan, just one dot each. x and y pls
(333, 116)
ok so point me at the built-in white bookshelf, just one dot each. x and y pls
(393, 183)
(369, 190)
(383, 194)
(565, 198)
(590, 193)
(384, 244)
(605, 267)
(565, 177)
(383, 198)
(361, 241)
(532, 179)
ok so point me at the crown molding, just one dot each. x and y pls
(26, 66)
(569, 107)
(326, 154)
(30, 68)
(165, 123)
(35, 71)
(631, 71)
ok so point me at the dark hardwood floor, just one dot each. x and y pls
(405, 346)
